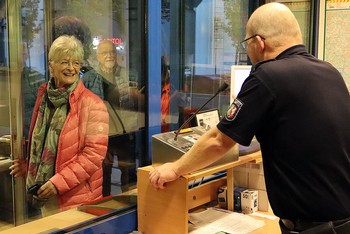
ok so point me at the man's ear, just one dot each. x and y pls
(261, 43)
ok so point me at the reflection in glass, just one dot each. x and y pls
(6, 194)
(116, 77)
(41, 22)
(199, 57)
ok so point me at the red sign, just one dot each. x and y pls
(115, 40)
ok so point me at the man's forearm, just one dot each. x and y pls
(208, 149)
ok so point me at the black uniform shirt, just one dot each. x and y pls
(299, 109)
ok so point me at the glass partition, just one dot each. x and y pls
(197, 59)
(109, 30)
(6, 193)
(118, 22)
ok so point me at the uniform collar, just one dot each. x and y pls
(294, 50)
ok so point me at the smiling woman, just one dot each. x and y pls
(65, 59)
(65, 170)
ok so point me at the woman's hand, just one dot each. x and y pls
(47, 190)
(18, 168)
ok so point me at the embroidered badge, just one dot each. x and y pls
(233, 110)
(100, 128)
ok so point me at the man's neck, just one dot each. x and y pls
(277, 51)
(107, 70)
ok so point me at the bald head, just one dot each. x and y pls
(105, 43)
(276, 23)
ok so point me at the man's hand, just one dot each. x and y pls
(162, 174)
(18, 168)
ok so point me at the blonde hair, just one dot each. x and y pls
(66, 46)
(275, 22)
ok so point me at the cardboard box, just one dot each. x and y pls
(222, 198)
(241, 178)
(251, 176)
(249, 201)
(263, 202)
(256, 181)
(256, 168)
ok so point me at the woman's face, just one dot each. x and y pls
(65, 71)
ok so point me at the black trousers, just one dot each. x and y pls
(124, 149)
(331, 227)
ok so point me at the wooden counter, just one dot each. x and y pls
(166, 211)
(51, 223)
(105, 209)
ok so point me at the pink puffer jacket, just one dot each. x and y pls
(82, 147)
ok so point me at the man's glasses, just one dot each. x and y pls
(244, 42)
(106, 53)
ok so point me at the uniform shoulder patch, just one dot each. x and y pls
(233, 110)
